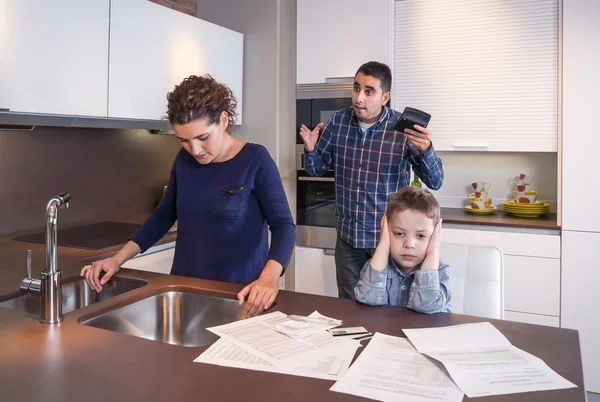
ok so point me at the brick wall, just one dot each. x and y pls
(185, 6)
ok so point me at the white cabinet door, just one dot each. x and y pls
(54, 56)
(315, 271)
(335, 37)
(532, 285)
(580, 308)
(581, 126)
(531, 271)
(152, 48)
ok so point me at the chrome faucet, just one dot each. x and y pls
(50, 285)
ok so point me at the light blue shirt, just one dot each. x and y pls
(423, 291)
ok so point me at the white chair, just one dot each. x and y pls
(477, 279)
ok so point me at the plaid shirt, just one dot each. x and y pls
(369, 167)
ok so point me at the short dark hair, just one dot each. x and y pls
(201, 98)
(380, 71)
(415, 198)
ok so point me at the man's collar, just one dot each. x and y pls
(384, 114)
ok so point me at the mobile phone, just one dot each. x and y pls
(411, 116)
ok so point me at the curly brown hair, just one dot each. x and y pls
(417, 199)
(201, 98)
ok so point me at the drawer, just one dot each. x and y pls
(532, 318)
(532, 285)
(525, 244)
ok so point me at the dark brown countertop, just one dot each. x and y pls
(73, 362)
(500, 218)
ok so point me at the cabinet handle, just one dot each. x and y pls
(328, 179)
(4, 109)
(328, 251)
(479, 147)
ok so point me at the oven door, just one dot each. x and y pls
(316, 200)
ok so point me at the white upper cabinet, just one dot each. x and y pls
(487, 72)
(335, 37)
(152, 48)
(54, 56)
(581, 125)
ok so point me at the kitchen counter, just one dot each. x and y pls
(70, 260)
(500, 218)
(73, 362)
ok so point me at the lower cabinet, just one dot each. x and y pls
(531, 271)
(315, 271)
(157, 259)
(579, 301)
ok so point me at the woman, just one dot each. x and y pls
(223, 192)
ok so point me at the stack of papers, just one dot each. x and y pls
(482, 362)
(258, 344)
(391, 369)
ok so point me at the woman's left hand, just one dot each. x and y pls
(262, 292)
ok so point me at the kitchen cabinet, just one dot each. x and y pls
(54, 56)
(315, 271)
(331, 41)
(488, 88)
(531, 271)
(152, 48)
(581, 86)
(579, 299)
(581, 224)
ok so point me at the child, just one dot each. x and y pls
(406, 269)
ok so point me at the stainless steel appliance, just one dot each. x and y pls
(316, 215)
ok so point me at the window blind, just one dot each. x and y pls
(481, 68)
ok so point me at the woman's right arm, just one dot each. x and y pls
(109, 266)
(163, 217)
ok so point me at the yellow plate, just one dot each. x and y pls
(488, 211)
(525, 215)
(538, 204)
(507, 208)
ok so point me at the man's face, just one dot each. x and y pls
(368, 98)
(410, 232)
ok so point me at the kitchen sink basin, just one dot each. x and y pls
(177, 318)
(76, 294)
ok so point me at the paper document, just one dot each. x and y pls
(331, 365)
(482, 362)
(160, 262)
(391, 369)
(259, 335)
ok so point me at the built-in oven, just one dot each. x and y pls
(316, 214)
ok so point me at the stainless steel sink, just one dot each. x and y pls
(76, 294)
(178, 318)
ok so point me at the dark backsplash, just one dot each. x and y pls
(109, 173)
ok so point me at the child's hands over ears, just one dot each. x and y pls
(432, 255)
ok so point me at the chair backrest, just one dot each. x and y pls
(477, 279)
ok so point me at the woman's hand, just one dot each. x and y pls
(91, 273)
(262, 292)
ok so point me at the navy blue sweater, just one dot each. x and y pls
(223, 209)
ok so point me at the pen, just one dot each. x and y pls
(312, 320)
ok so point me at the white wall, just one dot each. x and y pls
(269, 28)
(462, 168)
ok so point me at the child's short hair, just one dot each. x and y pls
(415, 198)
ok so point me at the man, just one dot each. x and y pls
(371, 161)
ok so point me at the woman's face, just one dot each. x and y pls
(206, 143)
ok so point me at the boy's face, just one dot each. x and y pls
(368, 98)
(410, 232)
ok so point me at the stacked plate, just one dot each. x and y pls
(525, 210)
